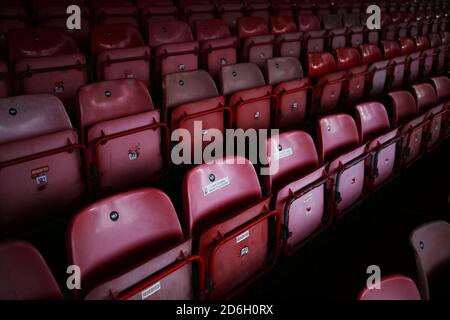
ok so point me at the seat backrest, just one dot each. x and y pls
(39, 42)
(283, 69)
(114, 36)
(434, 39)
(407, 45)
(347, 58)
(425, 96)
(370, 53)
(442, 87)
(393, 287)
(185, 87)
(308, 22)
(24, 275)
(112, 99)
(336, 135)
(332, 21)
(296, 153)
(320, 64)
(372, 120)
(217, 190)
(282, 24)
(252, 26)
(390, 48)
(240, 76)
(430, 244)
(422, 42)
(211, 29)
(166, 32)
(28, 116)
(352, 19)
(120, 231)
(403, 107)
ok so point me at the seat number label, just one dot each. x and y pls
(216, 185)
(283, 154)
(151, 290)
(243, 236)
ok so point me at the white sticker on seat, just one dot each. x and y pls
(243, 236)
(283, 154)
(216, 185)
(151, 290)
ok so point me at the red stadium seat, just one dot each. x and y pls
(383, 143)
(55, 16)
(258, 8)
(404, 115)
(339, 145)
(60, 75)
(391, 51)
(155, 13)
(257, 43)
(239, 214)
(298, 186)
(249, 97)
(217, 44)
(413, 59)
(130, 246)
(12, 16)
(192, 96)
(337, 33)
(24, 274)
(120, 53)
(428, 53)
(175, 50)
(442, 87)
(288, 39)
(430, 245)
(440, 52)
(292, 89)
(39, 42)
(39, 151)
(117, 14)
(427, 103)
(314, 36)
(122, 132)
(352, 21)
(230, 13)
(196, 12)
(349, 60)
(378, 70)
(328, 88)
(393, 287)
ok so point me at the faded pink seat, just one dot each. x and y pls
(193, 96)
(383, 143)
(427, 104)
(248, 95)
(257, 43)
(340, 147)
(174, 47)
(393, 287)
(292, 89)
(298, 183)
(288, 39)
(130, 246)
(442, 86)
(122, 132)
(224, 198)
(39, 151)
(336, 31)
(328, 82)
(219, 47)
(413, 59)
(120, 52)
(378, 70)
(24, 275)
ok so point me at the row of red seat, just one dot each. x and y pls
(237, 237)
(48, 61)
